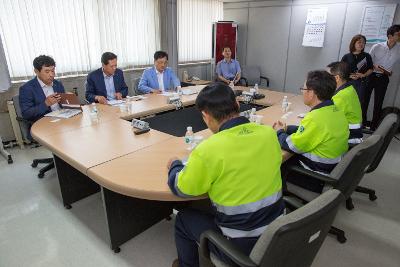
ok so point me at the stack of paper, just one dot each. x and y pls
(114, 102)
(64, 113)
(188, 92)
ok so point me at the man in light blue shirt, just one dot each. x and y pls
(158, 78)
(228, 69)
(110, 88)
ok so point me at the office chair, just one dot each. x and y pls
(4, 152)
(252, 75)
(291, 240)
(345, 177)
(386, 111)
(387, 129)
(242, 81)
(25, 126)
(135, 86)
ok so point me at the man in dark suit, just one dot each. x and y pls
(106, 83)
(41, 94)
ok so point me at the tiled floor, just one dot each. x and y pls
(36, 230)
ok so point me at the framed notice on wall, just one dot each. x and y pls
(376, 20)
(314, 31)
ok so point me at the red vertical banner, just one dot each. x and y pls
(225, 36)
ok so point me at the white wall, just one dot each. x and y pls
(270, 36)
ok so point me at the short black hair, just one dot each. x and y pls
(219, 100)
(322, 83)
(160, 54)
(393, 29)
(226, 46)
(107, 56)
(340, 68)
(43, 61)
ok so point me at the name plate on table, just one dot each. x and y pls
(140, 127)
(173, 99)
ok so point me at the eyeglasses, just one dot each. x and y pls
(304, 89)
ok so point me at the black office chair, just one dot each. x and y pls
(387, 129)
(345, 177)
(135, 87)
(291, 240)
(25, 126)
(252, 75)
(4, 152)
(242, 81)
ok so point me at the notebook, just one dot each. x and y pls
(69, 100)
(385, 71)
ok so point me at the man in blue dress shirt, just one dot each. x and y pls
(106, 83)
(228, 69)
(158, 78)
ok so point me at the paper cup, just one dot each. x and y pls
(258, 118)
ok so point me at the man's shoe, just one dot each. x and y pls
(175, 263)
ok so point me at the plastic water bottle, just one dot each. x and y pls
(189, 136)
(185, 76)
(232, 85)
(256, 88)
(93, 112)
(179, 91)
(252, 115)
(94, 108)
(285, 104)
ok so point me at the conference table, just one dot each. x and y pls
(130, 171)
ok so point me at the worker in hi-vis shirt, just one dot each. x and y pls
(346, 99)
(320, 141)
(238, 167)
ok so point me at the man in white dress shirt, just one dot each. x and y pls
(384, 56)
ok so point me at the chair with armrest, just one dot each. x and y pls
(25, 126)
(242, 80)
(4, 152)
(345, 177)
(135, 87)
(387, 129)
(291, 240)
(252, 75)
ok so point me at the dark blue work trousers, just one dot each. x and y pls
(189, 225)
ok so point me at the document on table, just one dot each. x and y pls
(137, 97)
(167, 93)
(188, 92)
(64, 113)
(114, 102)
